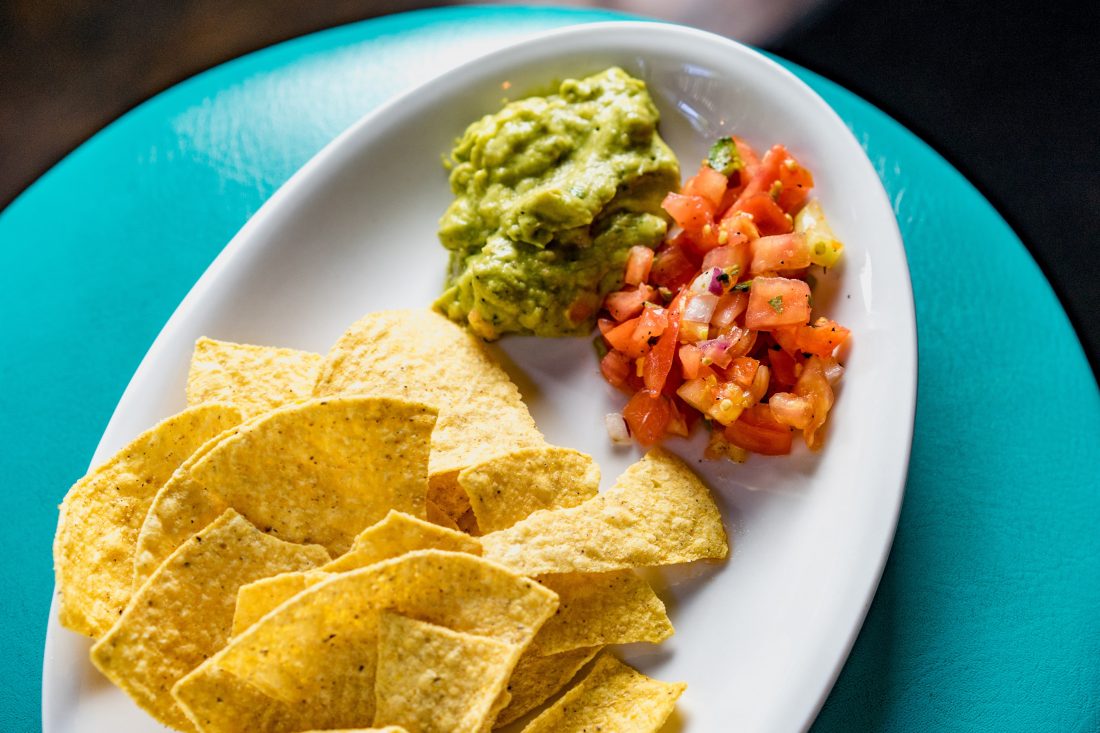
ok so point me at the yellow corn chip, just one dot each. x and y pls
(182, 614)
(537, 679)
(508, 488)
(420, 355)
(445, 493)
(657, 513)
(387, 729)
(617, 607)
(100, 518)
(256, 379)
(395, 535)
(315, 472)
(434, 680)
(611, 697)
(435, 515)
(216, 701)
(320, 647)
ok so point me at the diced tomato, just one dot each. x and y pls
(690, 360)
(690, 212)
(738, 227)
(583, 307)
(779, 253)
(647, 415)
(822, 337)
(671, 267)
(628, 303)
(658, 361)
(749, 159)
(638, 264)
(605, 325)
(784, 366)
(677, 421)
(708, 183)
(787, 338)
(777, 301)
(716, 352)
(615, 368)
(651, 324)
(814, 386)
(790, 409)
(730, 306)
(796, 183)
(700, 393)
(742, 370)
(766, 214)
(732, 258)
(622, 339)
(758, 431)
(765, 174)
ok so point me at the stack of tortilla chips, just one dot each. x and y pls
(380, 537)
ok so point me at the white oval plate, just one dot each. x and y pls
(760, 638)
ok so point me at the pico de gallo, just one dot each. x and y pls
(716, 325)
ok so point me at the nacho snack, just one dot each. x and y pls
(420, 355)
(611, 697)
(434, 514)
(657, 513)
(503, 490)
(618, 607)
(256, 379)
(395, 535)
(320, 647)
(387, 729)
(182, 615)
(431, 679)
(103, 512)
(313, 472)
(536, 679)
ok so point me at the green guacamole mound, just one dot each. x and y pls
(550, 195)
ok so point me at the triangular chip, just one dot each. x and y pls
(395, 535)
(618, 607)
(420, 355)
(314, 472)
(536, 679)
(256, 379)
(508, 488)
(657, 513)
(216, 701)
(320, 647)
(611, 697)
(102, 514)
(182, 614)
(434, 680)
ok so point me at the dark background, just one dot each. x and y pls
(1007, 92)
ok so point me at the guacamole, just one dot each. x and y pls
(550, 195)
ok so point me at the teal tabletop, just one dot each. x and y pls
(988, 615)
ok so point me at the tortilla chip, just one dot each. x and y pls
(387, 729)
(256, 379)
(182, 615)
(395, 535)
(320, 647)
(311, 472)
(434, 514)
(657, 513)
(537, 679)
(434, 680)
(611, 697)
(420, 355)
(510, 487)
(448, 497)
(618, 607)
(216, 701)
(103, 512)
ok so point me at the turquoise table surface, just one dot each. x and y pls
(988, 615)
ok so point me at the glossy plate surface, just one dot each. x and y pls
(760, 638)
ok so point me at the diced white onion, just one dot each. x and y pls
(616, 428)
(700, 307)
(833, 371)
